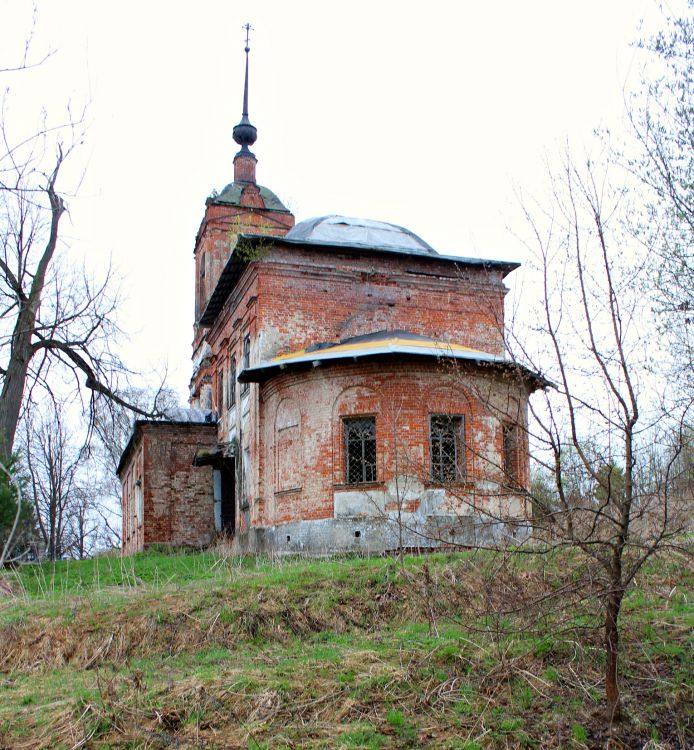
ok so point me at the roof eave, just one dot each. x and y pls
(504, 265)
(266, 371)
(231, 273)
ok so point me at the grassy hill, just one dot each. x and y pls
(211, 651)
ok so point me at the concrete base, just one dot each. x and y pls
(369, 535)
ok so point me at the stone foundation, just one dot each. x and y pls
(377, 535)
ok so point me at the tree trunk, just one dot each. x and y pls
(614, 603)
(51, 525)
(15, 378)
(21, 352)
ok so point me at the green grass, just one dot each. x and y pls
(161, 650)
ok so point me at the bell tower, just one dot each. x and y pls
(242, 207)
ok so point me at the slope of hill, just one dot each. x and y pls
(469, 650)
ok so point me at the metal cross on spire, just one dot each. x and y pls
(248, 28)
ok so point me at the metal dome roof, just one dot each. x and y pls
(345, 231)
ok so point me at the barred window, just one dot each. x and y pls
(231, 385)
(446, 446)
(360, 450)
(246, 360)
(510, 457)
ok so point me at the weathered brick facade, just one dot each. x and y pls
(302, 453)
(165, 499)
(359, 385)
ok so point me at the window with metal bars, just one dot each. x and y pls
(246, 361)
(360, 450)
(231, 383)
(446, 447)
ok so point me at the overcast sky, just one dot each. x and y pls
(430, 115)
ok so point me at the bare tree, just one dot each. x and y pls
(71, 479)
(53, 465)
(85, 526)
(50, 316)
(595, 429)
(113, 422)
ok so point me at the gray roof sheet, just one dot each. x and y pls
(345, 231)
(192, 415)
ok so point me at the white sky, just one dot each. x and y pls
(430, 115)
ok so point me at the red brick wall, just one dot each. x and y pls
(178, 497)
(292, 297)
(217, 236)
(305, 296)
(401, 396)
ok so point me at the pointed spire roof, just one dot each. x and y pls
(244, 191)
(244, 133)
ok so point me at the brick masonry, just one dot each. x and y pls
(172, 504)
(285, 437)
(302, 477)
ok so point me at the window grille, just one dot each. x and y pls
(231, 385)
(446, 445)
(360, 449)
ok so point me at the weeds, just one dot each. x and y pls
(158, 651)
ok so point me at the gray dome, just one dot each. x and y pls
(344, 231)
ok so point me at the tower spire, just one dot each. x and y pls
(244, 133)
(245, 85)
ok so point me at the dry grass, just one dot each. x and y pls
(464, 651)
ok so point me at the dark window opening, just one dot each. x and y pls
(360, 448)
(510, 457)
(246, 361)
(231, 396)
(220, 390)
(357, 534)
(446, 445)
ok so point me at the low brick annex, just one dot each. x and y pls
(350, 391)
(156, 467)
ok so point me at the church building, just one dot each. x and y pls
(350, 391)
